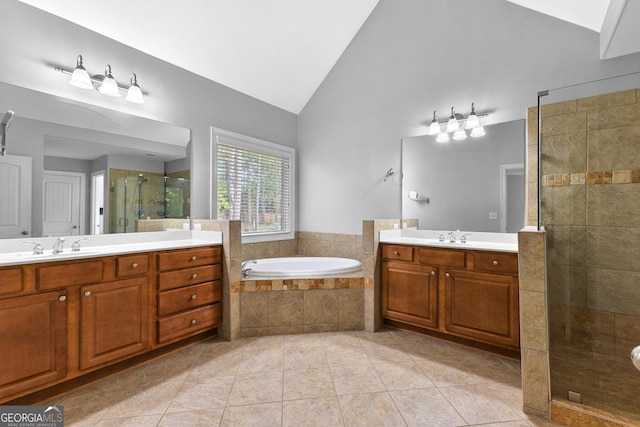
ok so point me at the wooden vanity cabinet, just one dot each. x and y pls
(483, 307)
(114, 321)
(33, 341)
(457, 293)
(63, 320)
(410, 293)
(189, 292)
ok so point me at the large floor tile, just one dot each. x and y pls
(261, 387)
(202, 393)
(323, 412)
(369, 410)
(308, 383)
(192, 418)
(477, 405)
(402, 375)
(361, 378)
(263, 415)
(426, 407)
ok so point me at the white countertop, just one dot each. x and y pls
(499, 242)
(12, 251)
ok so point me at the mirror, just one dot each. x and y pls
(476, 184)
(93, 170)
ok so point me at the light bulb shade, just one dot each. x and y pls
(134, 94)
(452, 124)
(80, 77)
(442, 138)
(109, 86)
(434, 127)
(459, 135)
(472, 120)
(477, 132)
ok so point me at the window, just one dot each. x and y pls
(254, 184)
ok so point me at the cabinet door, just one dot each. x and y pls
(114, 320)
(33, 341)
(483, 307)
(410, 294)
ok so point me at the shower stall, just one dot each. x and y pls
(589, 188)
(138, 195)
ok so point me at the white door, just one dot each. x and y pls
(63, 206)
(15, 197)
(97, 203)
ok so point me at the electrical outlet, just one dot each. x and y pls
(185, 225)
(493, 215)
(197, 227)
(395, 226)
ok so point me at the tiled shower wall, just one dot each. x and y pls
(590, 203)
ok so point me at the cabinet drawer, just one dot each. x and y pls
(173, 260)
(398, 253)
(496, 262)
(10, 280)
(132, 265)
(443, 257)
(60, 275)
(189, 323)
(188, 276)
(181, 299)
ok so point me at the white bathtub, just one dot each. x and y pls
(301, 267)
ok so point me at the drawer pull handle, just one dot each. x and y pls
(193, 322)
(87, 293)
(62, 298)
(396, 253)
(194, 296)
(447, 274)
(495, 262)
(134, 265)
(433, 272)
(193, 258)
(195, 276)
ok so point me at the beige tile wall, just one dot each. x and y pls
(590, 192)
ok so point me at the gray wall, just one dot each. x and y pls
(32, 42)
(412, 57)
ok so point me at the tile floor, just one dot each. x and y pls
(389, 378)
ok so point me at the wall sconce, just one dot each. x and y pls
(455, 125)
(105, 84)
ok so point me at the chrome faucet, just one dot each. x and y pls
(452, 237)
(463, 238)
(75, 247)
(37, 247)
(58, 246)
(245, 270)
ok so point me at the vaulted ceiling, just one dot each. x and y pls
(280, 51)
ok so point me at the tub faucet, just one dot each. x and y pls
(58, 246)
(245, 270)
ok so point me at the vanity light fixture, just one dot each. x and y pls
(452, 124)
(80, 77)
(457, 125)
(105, 84)
(109, 86)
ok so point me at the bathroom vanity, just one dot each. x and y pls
(66, 316)
(460, 291)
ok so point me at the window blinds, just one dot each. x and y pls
(254, 188)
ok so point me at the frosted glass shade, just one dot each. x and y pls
(109, 86)
(459, 135)
(134, 94)
(477, 132)
(80, 77)
(443, 137)
(472, 121)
